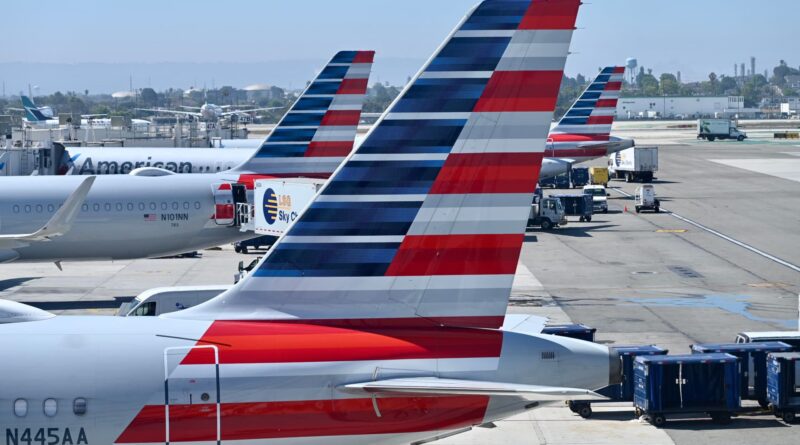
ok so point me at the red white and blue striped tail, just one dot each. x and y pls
(593, 113)
(424, 222)
(318, 132)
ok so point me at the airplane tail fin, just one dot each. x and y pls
(316, 134)
(593, 113)
(32, 112)
(424, 222)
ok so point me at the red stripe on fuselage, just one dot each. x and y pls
(520, 91)
(551, 14)
(421, 255)
(306, 418)
(488, 173)
(569, 137)
(303, 342)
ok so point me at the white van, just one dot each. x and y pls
(163, 300)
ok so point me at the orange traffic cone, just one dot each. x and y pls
(626, 209)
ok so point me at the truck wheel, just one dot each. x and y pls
(788, 416)
(628, 177)
(721, 417)
(658, 209)
(237, 249)
(658, 420)
(637, 412)
(763, 403)
(740, 138)
(605, 210)
(588, 219)
(585, 411)
(546, 224)
(582, 219)
(711, 138)
(244, 250)
(638, 209)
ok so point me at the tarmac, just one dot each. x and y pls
(723, 258)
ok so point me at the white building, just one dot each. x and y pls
(791, 107)
(681, 107)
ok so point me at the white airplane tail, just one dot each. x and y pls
(423, 224)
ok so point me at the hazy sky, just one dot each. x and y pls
(693, 36)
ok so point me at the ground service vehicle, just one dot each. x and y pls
(598, 176)
(686, 384)
(711, 129)
(577, 205)
(752, 364)
(635, 164)
(163, 300)
(263, 241)
(783, 385)
(599, 197)
(645, 198)
(547, 213)
(557, 182)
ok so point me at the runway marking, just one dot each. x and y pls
(671, 231)
(741, 244)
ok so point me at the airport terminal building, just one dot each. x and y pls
(678, 107)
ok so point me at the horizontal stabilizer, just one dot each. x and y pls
(524, 324)
(61, 221)
(436, 386)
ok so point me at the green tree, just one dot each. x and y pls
(669, 84)
(728, 85)
(149, 97)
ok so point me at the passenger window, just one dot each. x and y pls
(175, 206)
(141, 206)
(119, 206)
(79, 406)
(50, 407)
(51, 208)
(186, 205)
(218, 168)
(27, 208)
(107, 206)
(39, 208)
(164, 206)
(130, 206)
(152, 206)
(96, 207)
(20, 407)
(16, 208)
(85, 207)
(197, 205)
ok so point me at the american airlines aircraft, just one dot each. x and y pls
(582, 134)
(380, 328)
(151, 213)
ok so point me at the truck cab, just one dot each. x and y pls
(599, 197)
(547, 213)
(163, 300)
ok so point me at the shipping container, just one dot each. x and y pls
(752, 364)
(705, 384)
(783, 384)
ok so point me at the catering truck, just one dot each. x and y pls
(635, 164)
(711, 129)
(547, 213)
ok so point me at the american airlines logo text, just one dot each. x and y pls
(112, 167)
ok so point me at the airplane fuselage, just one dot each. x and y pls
(276, 382)
(123, 217)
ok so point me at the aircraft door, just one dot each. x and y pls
(550, 148)
(191, 394)
(224, 204)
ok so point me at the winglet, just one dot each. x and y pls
(62, 220)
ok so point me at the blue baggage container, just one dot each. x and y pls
(686, 384)
(577, 331)
(579, 176)
(577, 205)
(752, 364)
(783, 384)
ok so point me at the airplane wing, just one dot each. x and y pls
(190, 108)
(59, 223)
(436, 386)
(250, 110)
(159, 110)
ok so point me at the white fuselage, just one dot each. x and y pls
(123, 217)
